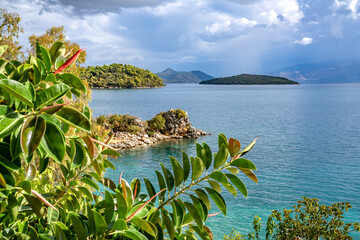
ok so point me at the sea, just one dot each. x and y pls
(309, 141)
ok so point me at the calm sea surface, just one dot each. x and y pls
(309, 141)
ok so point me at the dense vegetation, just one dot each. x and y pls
(307, 220)
(249, 79)
(119, 76)
(51, 167)
(171, 76)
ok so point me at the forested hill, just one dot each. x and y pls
(249, 79)
(171, 76)
(119, 76)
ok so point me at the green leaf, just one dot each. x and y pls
(52, 215)
(203, 196)
(45, 57)
(218, 200)
(178, 213)
(2, 181)
(169, 226)
(86, 192)
(194, 213)
(111, 152)
(31, 172)
(198, 168)
(51, 118)
(74, 118)
(208, 155)
(248, 148)
(109, 207)
(7, 175)
(79, 228)
(221, 157)
(203, 233)
(90, 183)
(144, 225)
(51, 94)
(73, 81)
(186, 165)
(200, 207)
(221, 178)
(79, 155)
(37, 75)
(31, 134)
(59, 62)
(10, 123)
(222, 140)
(17, 90)
(233, 170)
(150, 188)
(54, 142)
(4, 109)
(36, 205)
(243, 163)
(201, 153)
(120, 224)
(26, 185)
(107, 182)
(214, 185)
(161, 182)
(121, 204)
(100, 224)
(6, 159)
(178, 171)
(133, 234)
(87, 112)
(238, 184)
(169, 179)
(50, 78)
(57, 49)
(44, 162)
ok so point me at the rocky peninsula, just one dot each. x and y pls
(131, 131)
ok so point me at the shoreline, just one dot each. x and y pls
(126, 140)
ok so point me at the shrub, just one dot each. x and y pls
(44, 139)
(135, 129)
(180, 113)
(157, 123)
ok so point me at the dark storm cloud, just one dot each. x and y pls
(103, 6)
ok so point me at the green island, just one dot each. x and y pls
(249, 79)
(120, 76)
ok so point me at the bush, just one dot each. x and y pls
(43, 139)
(157, 123)
(307, 220)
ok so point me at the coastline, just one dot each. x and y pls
(126, 140)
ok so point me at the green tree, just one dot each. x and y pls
(10, 29)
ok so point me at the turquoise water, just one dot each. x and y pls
(309, 141)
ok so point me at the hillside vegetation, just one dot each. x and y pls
(119, 76)
(249, 79)
(171, 76)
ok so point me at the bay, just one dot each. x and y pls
(309, 141)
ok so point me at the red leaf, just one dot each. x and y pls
(69, 61)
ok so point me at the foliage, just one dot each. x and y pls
(234, 235)
(44, 139)
(180, 113)
(311, 220)
(249, 79)
(119, 76)
(121, 123)
(307, 220)
(9, 32)
(157, 123)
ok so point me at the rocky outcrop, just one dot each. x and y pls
(173, 124)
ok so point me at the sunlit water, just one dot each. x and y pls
(309, 141)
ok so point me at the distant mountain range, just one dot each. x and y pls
(346, 71)
(171, 76)
(249, 79)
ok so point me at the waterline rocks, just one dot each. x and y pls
(130, 131)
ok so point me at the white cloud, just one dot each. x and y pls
(304, 41)
(230, 25)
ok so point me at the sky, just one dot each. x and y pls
(218, 37)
